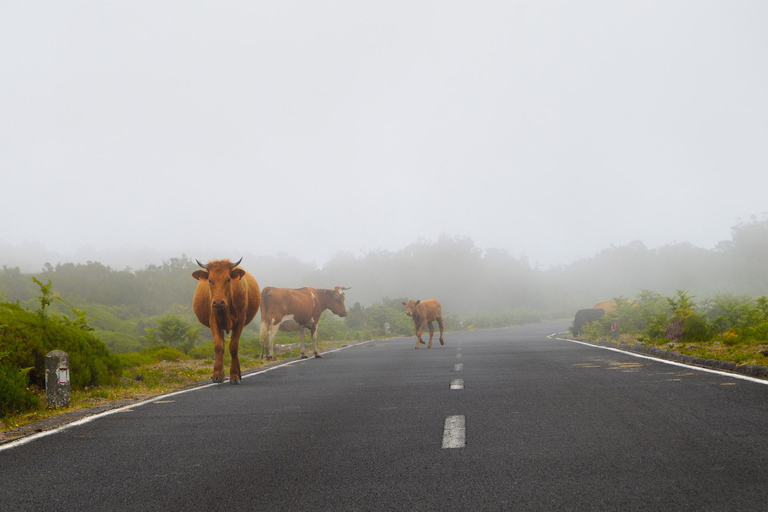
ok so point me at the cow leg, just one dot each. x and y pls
(271, 345)
(301, 335)
(234, 345)
(431, 333)
(218, 353)
(440, 324)
(313, 332)
(419, 330)
(264, 337)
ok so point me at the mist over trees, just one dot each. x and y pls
(466, 279)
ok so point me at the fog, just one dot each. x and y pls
(132, 133)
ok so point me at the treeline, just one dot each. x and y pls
(474, 285)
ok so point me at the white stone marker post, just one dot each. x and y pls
(57, 379)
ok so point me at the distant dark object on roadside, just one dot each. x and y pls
(584, 316)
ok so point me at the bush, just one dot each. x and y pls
(331, 327)
(656, 326)
(758, 332)
(696, 328)
(120, 342)
(14, 395)
(164, 353)
(28, 336)
(134, 359)
(204, 351)
(594, 330)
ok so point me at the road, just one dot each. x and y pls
(548, 425)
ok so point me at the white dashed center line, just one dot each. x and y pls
(454, 432)
(458, 367)
(457, 384)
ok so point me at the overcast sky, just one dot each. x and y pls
(551, 129)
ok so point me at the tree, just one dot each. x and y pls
(173, 331)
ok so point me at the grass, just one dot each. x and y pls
(145, 381)
(742, 352)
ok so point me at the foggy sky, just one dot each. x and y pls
(213, 129)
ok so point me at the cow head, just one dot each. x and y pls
(335, 301)
(219, 275)
(410, 307)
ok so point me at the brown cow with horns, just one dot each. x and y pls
(423, 313)
(286, 309)
(226, 299)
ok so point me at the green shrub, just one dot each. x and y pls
(695, 328)
(120, 342)
(164, 353)
(757, 332)
(14, 395)
(28, 336)
(204, 351)
(134, 359)
(331, 327)
(656, 326)
(594, 330)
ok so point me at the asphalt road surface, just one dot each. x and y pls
(505, 419)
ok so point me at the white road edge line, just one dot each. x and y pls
(127, 408)
(455, 432)
(665, 361)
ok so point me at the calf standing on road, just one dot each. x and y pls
(424, 312)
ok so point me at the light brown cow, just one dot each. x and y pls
(286, 309)
(609, 306)
(424, 312)
(226, 299)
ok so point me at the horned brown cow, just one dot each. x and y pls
(226, 299)
(423, 313)
(287, 309)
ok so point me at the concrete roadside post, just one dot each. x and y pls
(57, 393)
(615, 328)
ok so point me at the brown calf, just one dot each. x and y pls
(424, 312)
(226, 299)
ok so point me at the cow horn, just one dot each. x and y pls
(343, 288)
(202, 265)
(238, 262)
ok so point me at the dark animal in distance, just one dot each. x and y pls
(226, 300)
(423, 313)
(584, 316)
(286, 309)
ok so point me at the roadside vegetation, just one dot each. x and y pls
(725, 327)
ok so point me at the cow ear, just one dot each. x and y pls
(417, 302)
(403, 303)
(200, 275)
(237, 273)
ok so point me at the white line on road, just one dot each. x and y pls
(459, 356)
(454, 432)
(458, 367)
(665, 361)
(457, 384)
